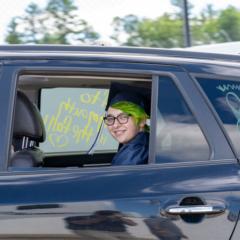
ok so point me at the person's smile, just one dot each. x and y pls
(119, 132)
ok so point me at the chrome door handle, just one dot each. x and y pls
(195, 209)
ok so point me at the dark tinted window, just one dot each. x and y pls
(225, 98)
(179, 138)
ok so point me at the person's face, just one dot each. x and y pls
(123, 132)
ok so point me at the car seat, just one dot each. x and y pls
(28, 132)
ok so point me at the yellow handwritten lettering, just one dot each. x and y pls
(59, 141)
(94, 116)
(53, 122)
(95, 98)
(82, 134)
(68, 105)
(103, 139)
(104, 102)
(45, 119)
(64, 126)
(81, 113)
(85, 98)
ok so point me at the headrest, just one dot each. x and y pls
(28, 120)
(27, 158)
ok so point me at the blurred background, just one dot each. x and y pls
(145, 23)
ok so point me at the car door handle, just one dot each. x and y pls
(196, 209)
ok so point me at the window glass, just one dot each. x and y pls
(72, 118)
(179, 138)
(225, 98)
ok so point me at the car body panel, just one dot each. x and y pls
(134, 197)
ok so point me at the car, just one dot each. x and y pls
(56, 179)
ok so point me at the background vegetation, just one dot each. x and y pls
(59, 23)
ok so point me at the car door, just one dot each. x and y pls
(189, 189)
(222, 92)
(203, 201)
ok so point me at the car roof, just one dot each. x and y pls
(226, 47)
(59, 51)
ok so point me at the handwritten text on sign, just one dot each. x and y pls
(232, 92)
(73, 117)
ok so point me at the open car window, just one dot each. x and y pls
(71, 108)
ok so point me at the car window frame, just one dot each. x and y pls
(154, 69)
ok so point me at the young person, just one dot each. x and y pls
(126, 121)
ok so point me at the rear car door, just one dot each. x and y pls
(189, 189)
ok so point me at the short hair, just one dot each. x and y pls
(137, 112)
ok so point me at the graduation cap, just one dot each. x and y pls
(123, 92)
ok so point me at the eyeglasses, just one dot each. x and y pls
(121, 118)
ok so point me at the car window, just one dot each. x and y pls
(224, 96)
(68, 131)
(179, 137)
(72, 117)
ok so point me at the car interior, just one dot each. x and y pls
(31, 137)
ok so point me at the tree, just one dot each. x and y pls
(179, 4)
(217, 27)
(26, 29)
(204, 27)
(15, 36)
(125, 27)
(209, 26)
(57, 23)
(163, 31)
(229, 24)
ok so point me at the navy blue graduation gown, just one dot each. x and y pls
(133, 152)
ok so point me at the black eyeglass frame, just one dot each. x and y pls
(120, 121)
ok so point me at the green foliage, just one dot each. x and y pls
(167, 30)
(229, 24)
(161, 32)
(57, 23)
(15, 36)
(217, 27)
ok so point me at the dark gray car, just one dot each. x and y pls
(56, 179)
